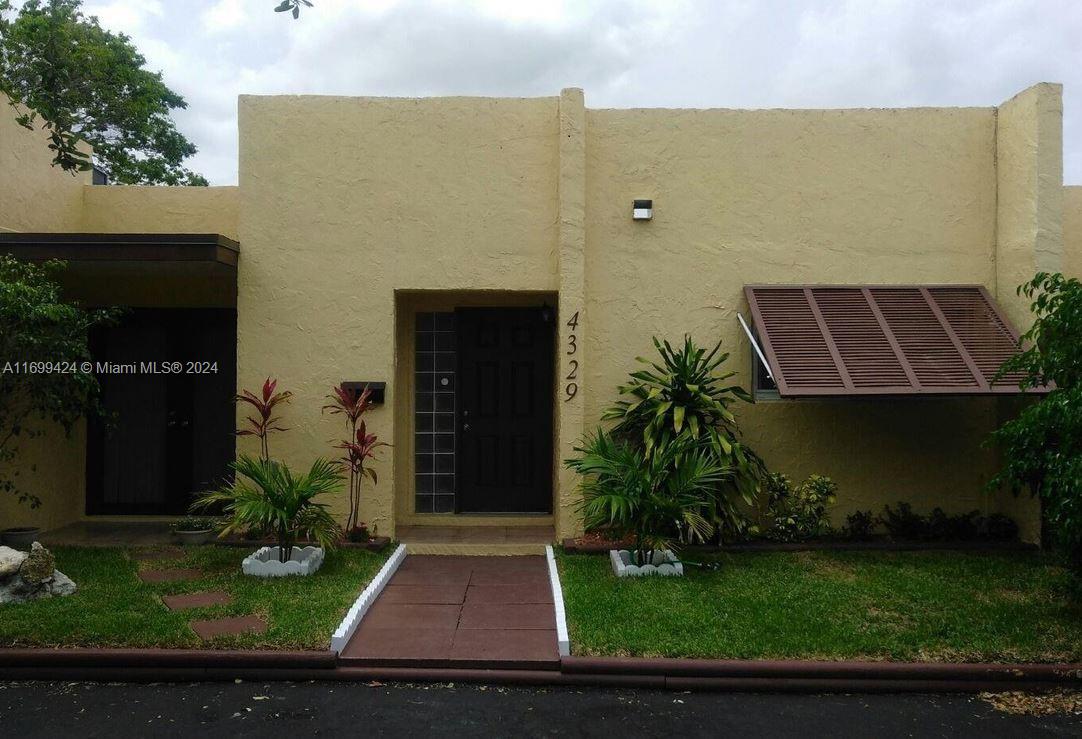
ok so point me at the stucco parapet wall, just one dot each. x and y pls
(159, 209)
(1072, 230)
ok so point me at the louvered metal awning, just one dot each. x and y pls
(883, 339)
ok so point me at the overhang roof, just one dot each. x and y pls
(212, 249)
(830, 340)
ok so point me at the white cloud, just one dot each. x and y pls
(701, 53)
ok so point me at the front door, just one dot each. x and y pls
(505, 391)
(166, 434)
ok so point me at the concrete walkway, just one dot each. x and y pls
(447, 611)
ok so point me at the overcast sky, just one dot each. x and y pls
(667, 53)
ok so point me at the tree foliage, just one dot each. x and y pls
(82, 83)
(1042, 447)
(43, 344)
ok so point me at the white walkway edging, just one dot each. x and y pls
(563, 641)
(368, 596)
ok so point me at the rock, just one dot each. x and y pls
(39, 565)
(10, 562)
(31, 576)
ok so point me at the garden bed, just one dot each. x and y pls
(909, 606)
(602, 546)
(114, 608)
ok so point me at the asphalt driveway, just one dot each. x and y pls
(356, 709)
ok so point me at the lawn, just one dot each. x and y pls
(113, 608)
(939, 606)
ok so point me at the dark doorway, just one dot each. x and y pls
(168, 434)
(505, 390)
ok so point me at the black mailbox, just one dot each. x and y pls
(379, 389)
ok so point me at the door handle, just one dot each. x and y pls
(465, 427)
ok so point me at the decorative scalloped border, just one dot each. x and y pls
(368, 596)
(671, 567)
(264, 562)
(563, 641)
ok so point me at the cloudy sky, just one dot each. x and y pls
(667, 53)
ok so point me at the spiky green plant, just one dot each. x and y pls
(683, 396)
(267, 495)
(655, 498)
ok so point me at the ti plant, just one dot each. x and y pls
(267, 495)
(657, 499)
(264, 421)
(358, 448)
(682, 397)
(291, 6)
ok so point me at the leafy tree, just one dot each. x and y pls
(1042, 447)
(85, 83)
(37, 325)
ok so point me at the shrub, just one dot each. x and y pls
(682, 398)
(904, 523)
(801, 513)
(860, 526)
(193, 523)
(358, 448)
(998, 527)
(657, 498)
(267, 494)
(960, 527)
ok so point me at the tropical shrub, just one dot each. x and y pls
(860, 526)
(1042, 447)
(194, 523)
(683, 398)
(359, 447)
(904, 523)
(267, 495)
(264, 421)
(658, 499)
(801, 513)
(39, 329)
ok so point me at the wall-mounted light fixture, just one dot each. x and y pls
(642, 210)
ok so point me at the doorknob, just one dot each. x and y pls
(465, 427)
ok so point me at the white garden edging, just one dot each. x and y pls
(669, 565)
(368, 596)
(264, 562)
(563, 641)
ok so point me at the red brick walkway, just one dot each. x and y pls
(461, 612)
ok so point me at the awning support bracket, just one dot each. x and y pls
(755, 346)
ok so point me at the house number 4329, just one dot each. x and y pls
(571, 389)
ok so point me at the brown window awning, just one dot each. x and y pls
(883, 339)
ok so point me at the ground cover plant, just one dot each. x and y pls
(940, 606)
(113, 608)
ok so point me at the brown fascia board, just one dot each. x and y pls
(844, 386)
(126, 247)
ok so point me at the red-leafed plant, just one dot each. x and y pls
(358, 448)
(264, 421)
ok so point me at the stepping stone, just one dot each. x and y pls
(506, 616)
(207, 630)
(156, 576)
(197, 600)
(153, 555)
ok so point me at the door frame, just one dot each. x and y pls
(408, 303)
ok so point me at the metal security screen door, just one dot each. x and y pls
(505, 373)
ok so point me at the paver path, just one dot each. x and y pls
(461, 612)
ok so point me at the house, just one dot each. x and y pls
(489, 261)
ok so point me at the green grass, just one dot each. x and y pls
(113, 608)
(942, 606)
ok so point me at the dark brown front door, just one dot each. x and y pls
(505, 366)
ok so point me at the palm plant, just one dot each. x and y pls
(656, 498)
(268, 495)
(682, 396)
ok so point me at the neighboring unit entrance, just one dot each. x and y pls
(504, 410)
(169, 434)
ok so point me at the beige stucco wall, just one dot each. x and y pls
(1072, 231)
(785, 196)
(156, 209)
(34, 195)
(345, 200)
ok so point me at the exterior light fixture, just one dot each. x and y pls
(642, 210)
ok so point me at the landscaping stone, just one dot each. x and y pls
(31, 576)
(210, 628)
(197, 600)
(157, 576)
